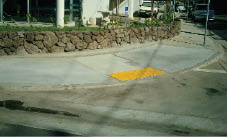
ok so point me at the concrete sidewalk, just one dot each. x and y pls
(36, 71)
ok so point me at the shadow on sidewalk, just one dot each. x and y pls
(121, 99)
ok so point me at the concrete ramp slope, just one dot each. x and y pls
(167, 58)
(29, 71)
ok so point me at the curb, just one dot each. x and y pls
(219, 55)
(43, 87)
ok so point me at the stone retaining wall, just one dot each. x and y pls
(22, 43)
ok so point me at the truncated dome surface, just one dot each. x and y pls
(136, 74)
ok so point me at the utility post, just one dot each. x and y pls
(131, 5)
(28, 11)
(113, 10)
(207, 18)
(118, 7)
(174, 7)
(166, 7)
(188, 10)
(1, 10)
(168, 3)
(152, 8)
(71, 11)
(60, 13)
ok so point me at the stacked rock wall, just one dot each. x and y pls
(22, 43)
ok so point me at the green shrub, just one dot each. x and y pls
(52, 28)
(34, 19)
(66, 19)
(28, 15)
(12, 20)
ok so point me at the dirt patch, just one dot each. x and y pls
(181, 132)
(139, 101)
(214, 92)
(1, 88)
(19, 130)
(18, 105)
(183, 84)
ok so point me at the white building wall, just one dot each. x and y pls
(93, 9)
(125, 4)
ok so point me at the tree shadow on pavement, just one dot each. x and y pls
(216, 27)
(120, 100)
(18, 130)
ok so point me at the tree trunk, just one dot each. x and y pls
(168, 5)
(152, 8)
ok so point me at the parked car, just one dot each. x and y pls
(146, 7)
(181, 8)
(199, 12)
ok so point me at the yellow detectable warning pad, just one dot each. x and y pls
(136, 74)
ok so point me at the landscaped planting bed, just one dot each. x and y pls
(34, 42)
